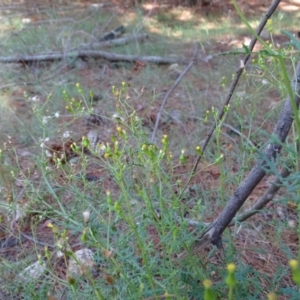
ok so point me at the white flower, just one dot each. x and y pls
(101, 148)
(45, 119)
(86, 216)
(59, 254)
(35, 99)
(26, 20)
(57, 114)
(66, 134)
(42, 144)
(48, 153)
(117, 117)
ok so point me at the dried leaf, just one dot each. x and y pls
(109, 279)
(107, 253)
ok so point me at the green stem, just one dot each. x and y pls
(253, 32)
(287, 83)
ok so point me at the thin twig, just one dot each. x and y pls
(35, 241)
(166, 99)
(234, 83)
(267, 197)
(8, 243)
(264, 200)
(239, 133)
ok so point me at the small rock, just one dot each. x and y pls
(83, 261)
(94, 139)
(174, 71)
(292, 223)
(34, 271)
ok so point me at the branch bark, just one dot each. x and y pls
(272, 150)
(91, 53)
(265, 199)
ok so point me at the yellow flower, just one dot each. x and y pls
(270, 25)
(272, 296)
(207, 284)
(231, 267)
(50, 225)
(293, 263)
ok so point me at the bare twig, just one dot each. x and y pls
(170, 92)
(91, 53)
(14, 241)
(234, 83)
(257, 206)
(264, 200)
(35, 241)
(239, 133)
(166, 99)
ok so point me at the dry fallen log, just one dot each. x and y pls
(91, 54)
(115, 42)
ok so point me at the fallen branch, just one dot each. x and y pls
(115, 42)
(92, 54)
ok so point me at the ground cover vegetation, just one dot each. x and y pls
(105, 109)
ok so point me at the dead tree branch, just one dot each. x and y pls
(214, 232)
(115, 42)
(93, 54)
